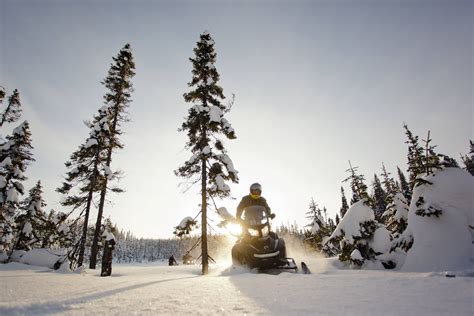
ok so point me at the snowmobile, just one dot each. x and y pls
(188, 259)
(259, 247)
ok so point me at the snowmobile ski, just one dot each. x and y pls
(305, 269)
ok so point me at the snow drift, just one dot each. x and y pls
(42, 257)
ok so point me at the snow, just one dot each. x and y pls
(19, 130)
(27, 229)
(220, 184)
(443, 243)
(42, 257)
(381, 240)
(157, 289)
(349, 225)
(109, 236)
(184, 223)
(315, 228)
(215, 114)
(224, 214)
(63, 228)
(12, 195)
(355, 255)
(6, 162)
(90, 142)
(108, 172)
(228, 163)
(206, 150)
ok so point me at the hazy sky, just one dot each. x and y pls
(316, 82)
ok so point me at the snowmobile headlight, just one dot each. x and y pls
(254, 232)
(265, 231)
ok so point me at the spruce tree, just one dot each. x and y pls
(359, 189)
(344, 205)
(15, 156)
(469, 160)
(32, 221)
(205, 122)
(379, 198)
(318, 227)
(404, 186)
(117, 99)
(415, 157)
(13, 110)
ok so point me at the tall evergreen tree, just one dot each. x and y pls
(404, 186)
(205, 122)
(379, 198)
(359, 189)
(469, 160)
(32, 221)
(13, 111)
(15, 156)
(117, 99)
(344, 205)
(84, 177)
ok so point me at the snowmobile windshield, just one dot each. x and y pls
(255, 215)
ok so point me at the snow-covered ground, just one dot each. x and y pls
(159, 289)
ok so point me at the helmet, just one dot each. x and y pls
(255, 190)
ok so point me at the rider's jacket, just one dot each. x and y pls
(249, 201)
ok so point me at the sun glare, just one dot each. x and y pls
(234, 229)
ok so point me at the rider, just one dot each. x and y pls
(254, 198)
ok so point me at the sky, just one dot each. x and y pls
(316, 84)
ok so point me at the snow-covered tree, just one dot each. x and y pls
(31, 221)
(361, 237)
(317, 228)
(15, 156)
(117, 100)
(209, 162)
(185, 227)
(396, 215)
(12, 112)
(469, 159)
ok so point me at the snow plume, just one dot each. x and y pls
(298, 250)
(442, 242)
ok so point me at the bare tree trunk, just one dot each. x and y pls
(204, 254)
